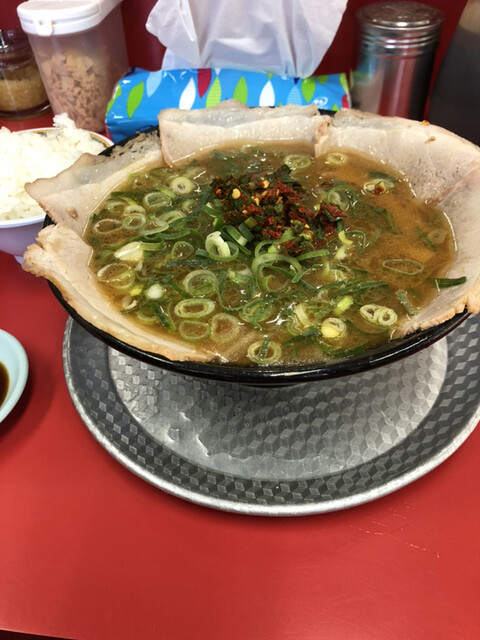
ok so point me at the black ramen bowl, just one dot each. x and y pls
(277, 375)
(271, 375)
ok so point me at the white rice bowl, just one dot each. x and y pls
(32, 154)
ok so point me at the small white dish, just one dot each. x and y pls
(14, 359)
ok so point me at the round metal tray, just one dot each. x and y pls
(302, 449)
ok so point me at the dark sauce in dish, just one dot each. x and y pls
(4, 383)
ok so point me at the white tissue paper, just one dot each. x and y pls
(284, 37)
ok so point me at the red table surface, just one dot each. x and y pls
(90, 551)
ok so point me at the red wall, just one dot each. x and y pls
(145, 51)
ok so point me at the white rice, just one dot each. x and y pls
(27, 155)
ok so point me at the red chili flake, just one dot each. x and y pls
(335, 211)
(272, 233)
(275, 202)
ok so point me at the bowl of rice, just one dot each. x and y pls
(32, 154)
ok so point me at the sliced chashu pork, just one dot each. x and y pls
(185, 133)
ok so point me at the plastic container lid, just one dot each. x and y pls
(61, 17)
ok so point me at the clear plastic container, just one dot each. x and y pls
(22, 94)
(79, 46)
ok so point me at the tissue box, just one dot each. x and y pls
(140, 95)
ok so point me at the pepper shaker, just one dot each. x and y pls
(394, 53)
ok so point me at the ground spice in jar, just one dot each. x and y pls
(80, 83)
(22, 93)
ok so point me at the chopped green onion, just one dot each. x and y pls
(171, 216)
(296, 161)
(403, 266)
(107, 225)
(235, 235)
(130, 252)
(341, 252)
(335, 159)
(425, 239)
(256, 311)
(194, 308)
(224, 327)
(234, 291)
(312, 254)
(437, 236)
(444, 283)
(250, 222)
(343, 238)
(164, 317)
(268, 259)
(211, 210)
(134, 220)
(264, 351)
(385, 316)
(155, 292)
(193, 330)
(115, 206)
(182, 249)
(118, 275)
(220, 249)
(245, 231)
(378, 186)
(301, 315)
(305, 336)
(265, 246)
(359, 238)
(160, 226)
(155, 200)
(342, 305)
(181, 185)
(188, 205)
(136, 290)
(333, 328)
(403, 297)
(340, 196)
(166, 191)
(151, 246)
(379, 315)
(147, 316)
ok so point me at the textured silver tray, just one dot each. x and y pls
(306, 448)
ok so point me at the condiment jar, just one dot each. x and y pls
(80, 49)
(22, 94)
(394, 53)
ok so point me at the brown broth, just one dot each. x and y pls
(380, 225)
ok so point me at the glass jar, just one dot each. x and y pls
(22, 94)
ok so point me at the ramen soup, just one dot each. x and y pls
(268, 255)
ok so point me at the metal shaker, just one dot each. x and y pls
(395, 45)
